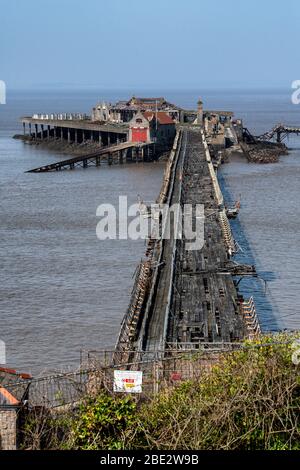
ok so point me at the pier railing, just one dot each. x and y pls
(225, 225)
(61, 117)
(251, 318)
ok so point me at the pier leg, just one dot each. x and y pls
(108, 139)
(109, 159)
(137, 154)
(36, 131)
(61, 133)
(48, 132)
(98, 161)
(69, 135)
(83, 136)
(76, 137)
(24, 128)
(100, 139)
(30, 130)
(42, 131)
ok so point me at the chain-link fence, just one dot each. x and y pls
(160, 369)
(96, 372)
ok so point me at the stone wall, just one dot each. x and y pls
(8, 428)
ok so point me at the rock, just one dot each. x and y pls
(264, 152)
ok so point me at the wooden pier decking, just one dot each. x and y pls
(189, 296)
(207, 308)
(119, 151)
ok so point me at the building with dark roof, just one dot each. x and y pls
(151, 126)
(125, 110)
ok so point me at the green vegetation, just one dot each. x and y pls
(249, 400)
(102, 423)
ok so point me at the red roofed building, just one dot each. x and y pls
(162, 117)
(151, 126)
(139, 129)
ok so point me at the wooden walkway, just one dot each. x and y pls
(199, 302)
(281, 131)
(95, 158)
(204, 301)
(189, 296)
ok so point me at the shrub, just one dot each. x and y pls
(102, 423)
(249, 400)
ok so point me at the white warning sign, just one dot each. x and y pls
(129, 381)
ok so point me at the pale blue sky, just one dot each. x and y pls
(167, 44)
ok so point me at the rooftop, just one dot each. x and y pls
(145, 103)
(162, 118)
(13, 385)
(6, 398)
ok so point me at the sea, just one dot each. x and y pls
(63, 291)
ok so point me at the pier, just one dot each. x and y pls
(281, 132)
(189, 298)
(74, 128)
(118, 153)
(182, 297)
(141, 129)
